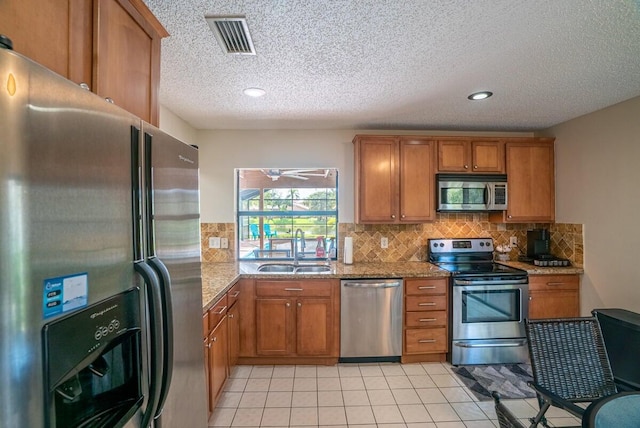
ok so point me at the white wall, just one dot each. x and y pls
(176, 127)
(222, 151)
(598, 185)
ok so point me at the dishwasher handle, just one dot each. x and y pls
(372, 284)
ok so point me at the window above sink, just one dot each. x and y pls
(272, 204)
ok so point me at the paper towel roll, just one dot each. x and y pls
(348, 250)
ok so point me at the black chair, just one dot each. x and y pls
(506, 419)
(570, 364)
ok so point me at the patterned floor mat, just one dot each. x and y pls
(510, 380)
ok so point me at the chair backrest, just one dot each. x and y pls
(506, 419)
(568, 357)
(267, 230)
(254, 230)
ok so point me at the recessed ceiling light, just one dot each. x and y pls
(254, 92)
(480, 95)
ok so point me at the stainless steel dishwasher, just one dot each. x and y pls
(370, 320)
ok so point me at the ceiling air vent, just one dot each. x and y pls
(232, 33)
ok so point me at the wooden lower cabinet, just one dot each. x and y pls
(292, 321)
(218, 362)
(233, 320)
(554, 296)
(425, 324)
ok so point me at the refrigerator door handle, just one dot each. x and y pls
(167, 326)
(156, 356)
(136, 198)
(148, 191)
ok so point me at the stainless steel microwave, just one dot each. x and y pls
(471, 192)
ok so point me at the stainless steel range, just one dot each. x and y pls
(489, 302)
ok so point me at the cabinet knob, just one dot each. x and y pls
(230, 315)
(209, 345)
(403, 216)
(466, 167)
(508, 216)
(393, 216)
(287, 304)
(215, 339)
(85, 86)
(475, 167)
(109, 100)
(299, 304)
(530, 298)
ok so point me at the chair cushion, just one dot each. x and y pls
(616, 411)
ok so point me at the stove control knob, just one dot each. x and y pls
(441, 244)
(488, 244)
(435, 245)
(482, 244)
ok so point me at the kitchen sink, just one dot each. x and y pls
(291, 268)
(312, 269)
(276, 267)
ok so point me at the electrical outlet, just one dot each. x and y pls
(513, 241)
(224, 243)
(214, 242)
(384, 242)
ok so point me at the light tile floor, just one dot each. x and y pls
(386, 395)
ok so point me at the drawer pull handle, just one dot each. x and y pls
(236, 294)
(221, 311)
(230, 316)
(427, 341)
(293, 289)
(427, 287)
(555, 283)
(427, 319)
(427, 304)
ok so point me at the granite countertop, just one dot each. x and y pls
(539, 270)
(217, 278)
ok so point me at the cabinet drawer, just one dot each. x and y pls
(553, 282)
(426, 286)
(425, 340)
(426, 303)
(232, 294)
(217, 312)
(293, 288)
(426, 319)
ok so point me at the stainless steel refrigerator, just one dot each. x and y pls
(100, 279)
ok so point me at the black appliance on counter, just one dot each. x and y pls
(489, 303)
(539, 249)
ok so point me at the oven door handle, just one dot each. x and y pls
(515, 344)
(495, 282)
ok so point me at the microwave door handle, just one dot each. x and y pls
(487, 195)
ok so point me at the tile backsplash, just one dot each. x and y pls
(409, 242)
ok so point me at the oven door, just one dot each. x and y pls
(488, 321)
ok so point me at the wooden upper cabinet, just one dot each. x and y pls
(44, 31)
(126, 66)
(113, 46)
(531, 182)
(471, 155)
(417, 182)
(394, 181)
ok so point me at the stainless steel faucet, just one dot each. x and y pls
(296, 255)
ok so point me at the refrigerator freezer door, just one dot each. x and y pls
(65, 212)
(173, 238)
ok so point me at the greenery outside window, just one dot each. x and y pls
(274, 203)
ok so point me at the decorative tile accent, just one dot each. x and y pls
(408, 242)
(221, 230)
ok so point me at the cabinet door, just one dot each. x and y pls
(417, 184)
(217, 362)
(554, 304)
(126, 65)
(275, 334)
(487, 156)
(314, 327)
(376, 179)
(234, 335)
(454, 156)
(531, 181)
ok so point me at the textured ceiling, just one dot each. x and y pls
(400, 64)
